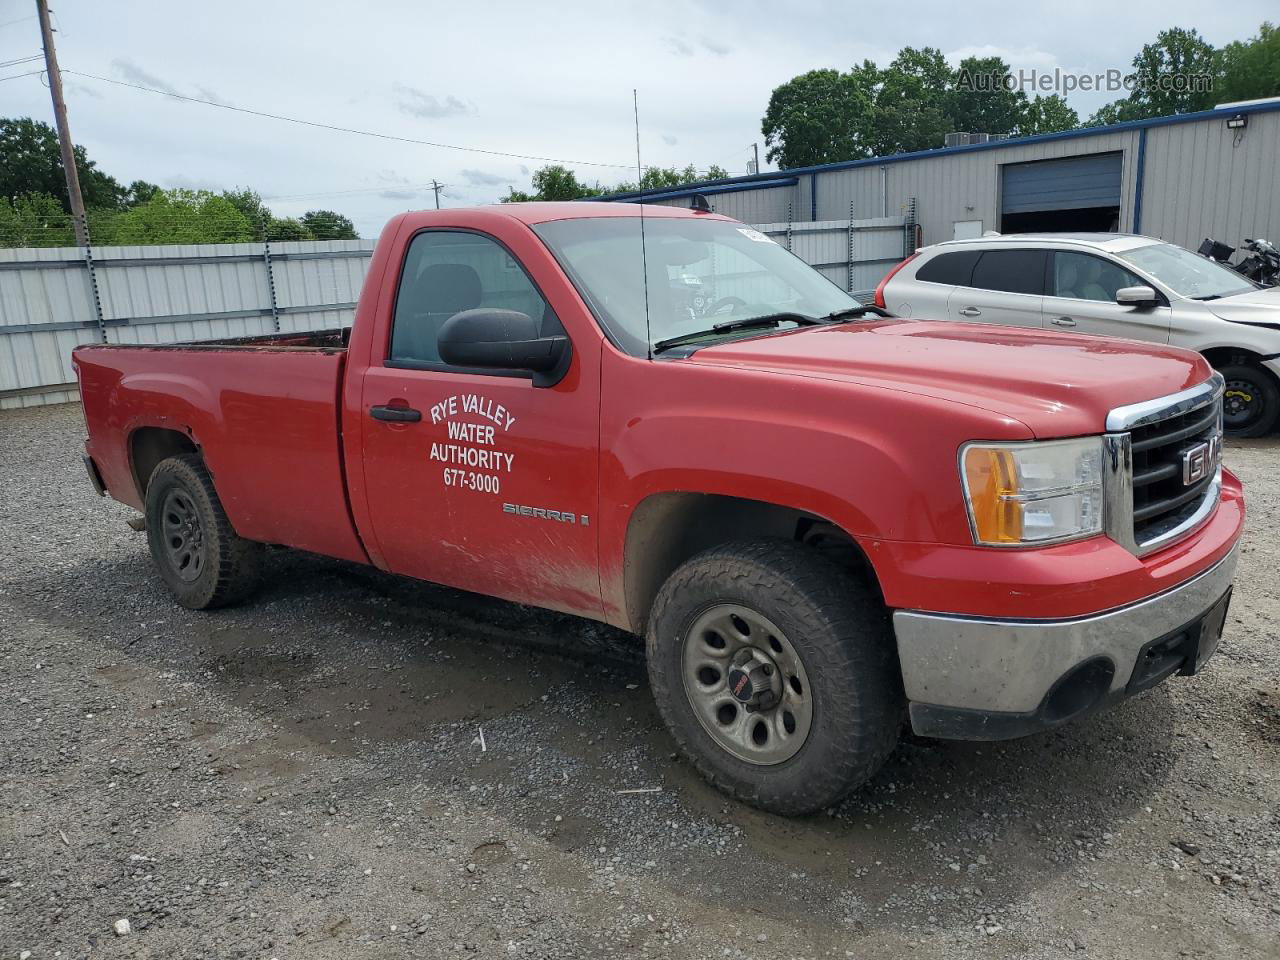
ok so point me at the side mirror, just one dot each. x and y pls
(1137, 297)
(505, 340)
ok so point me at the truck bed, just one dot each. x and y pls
(263, 412)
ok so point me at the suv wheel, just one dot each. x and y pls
(775, 672)
(1251, 402)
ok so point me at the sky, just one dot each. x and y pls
(548, 81)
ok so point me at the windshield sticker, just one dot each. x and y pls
(472, 459)
(755, 235)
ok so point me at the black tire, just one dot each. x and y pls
(201, 559)
(1252, 400)
(839, 630)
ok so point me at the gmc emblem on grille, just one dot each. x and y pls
(1199, 461)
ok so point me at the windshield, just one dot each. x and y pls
(700, 273)
(1185, 273)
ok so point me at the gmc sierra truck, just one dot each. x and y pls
(823, 520)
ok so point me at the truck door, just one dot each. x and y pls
(478, 479)
(1082, 298)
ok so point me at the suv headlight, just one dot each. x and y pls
(1033, 493)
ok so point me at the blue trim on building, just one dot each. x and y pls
(1138, 178)
(749, 182)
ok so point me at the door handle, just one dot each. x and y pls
(395, 414)
(1063, 322)
(970, 312)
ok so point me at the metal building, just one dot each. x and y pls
(1181, 178)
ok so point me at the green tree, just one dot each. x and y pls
(249, 203)
(1047, 115)
(31, 162)
(657, 178)
(822, 116)
(1178, 73)
(327, 225)
(34, 220)
(553, 182)
(911, 103)
(140, 191)
(1250, 69)
(185, 216)
(288, 228)
(983, 99)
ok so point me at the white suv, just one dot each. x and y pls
(1111, 284)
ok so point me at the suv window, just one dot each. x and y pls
(1080, 276)
(446, 272)
(955, 269)
(1012, 271)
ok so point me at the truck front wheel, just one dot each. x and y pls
(775, 671)
(200, 557)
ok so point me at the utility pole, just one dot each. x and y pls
(435, 185)
(755, 148)
(64, 131)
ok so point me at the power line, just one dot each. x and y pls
(341, 129)
(14, 63)
(32, 73)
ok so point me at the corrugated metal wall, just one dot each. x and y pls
(46, 310)
(1206, 180)
(960, 186)
(161, 294)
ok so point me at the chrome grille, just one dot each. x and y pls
(1164, 477)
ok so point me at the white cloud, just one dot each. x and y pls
(418, 104)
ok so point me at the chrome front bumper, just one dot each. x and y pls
(988, 679)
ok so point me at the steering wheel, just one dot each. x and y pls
(719, 305)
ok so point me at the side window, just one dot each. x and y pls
(446, 272)
(955, 269)
(1080, 276)
(1012, 271)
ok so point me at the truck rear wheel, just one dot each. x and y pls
(200, 557)
(775, 672)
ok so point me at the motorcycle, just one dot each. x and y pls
(1261, 263)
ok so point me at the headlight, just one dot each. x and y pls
(1030, 493)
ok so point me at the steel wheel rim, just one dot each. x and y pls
(1241, 404)
(731, 638)
(183, 535)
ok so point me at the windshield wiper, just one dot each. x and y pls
(855, 313)
(727, 326)
(1208, 296)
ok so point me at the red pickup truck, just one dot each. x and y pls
(822, 519)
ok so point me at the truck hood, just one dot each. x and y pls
(1259, 308)
(1058, 384)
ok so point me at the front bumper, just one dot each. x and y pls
(973, 678)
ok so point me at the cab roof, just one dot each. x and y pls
(544, 211)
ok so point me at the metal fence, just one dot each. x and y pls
(855, 254)
(53, 299)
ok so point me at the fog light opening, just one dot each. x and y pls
(1079, 690)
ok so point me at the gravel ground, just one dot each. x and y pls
(355, 765)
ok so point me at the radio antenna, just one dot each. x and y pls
(644, 257)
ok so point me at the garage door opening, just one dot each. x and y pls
(1072, 194)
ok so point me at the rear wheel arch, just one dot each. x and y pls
(667, 529)
(151, 446)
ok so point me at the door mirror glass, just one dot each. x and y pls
(1139, 296)
(503, 339)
